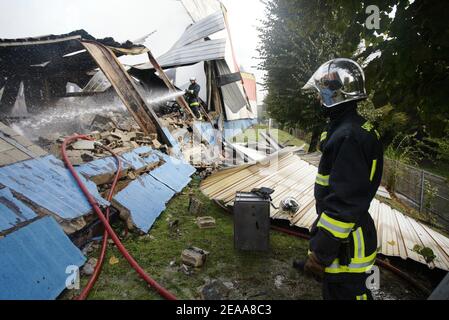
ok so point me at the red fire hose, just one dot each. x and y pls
(108, 229)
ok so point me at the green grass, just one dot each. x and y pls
(252, 273)
(253, 134)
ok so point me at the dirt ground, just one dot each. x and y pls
(227, 273)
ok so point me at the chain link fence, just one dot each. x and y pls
(424, 191)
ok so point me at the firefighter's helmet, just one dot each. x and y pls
(337, 81)
(289, 205)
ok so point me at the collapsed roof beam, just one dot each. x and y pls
(181, 101)
(126, 89)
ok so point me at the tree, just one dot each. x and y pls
(290, 56)
(405, 61)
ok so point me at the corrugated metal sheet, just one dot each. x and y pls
(144, 199)
(12, 210)
(190, 54)
(288, 175)
(174, 173)
(207, 132)
(34, 260)
(136, 160)
(98, 83)
(198, 9)
(232, 95)
(46, 183)
(235, 127)
(202, 29)
(15, 147)
(176, 150)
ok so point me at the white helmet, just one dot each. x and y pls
(337, 81)
(192, 79)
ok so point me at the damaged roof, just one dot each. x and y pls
(191, 47)
(144, 198)
(48, 185)
(15, 147)
(289, 175)
(35, 260)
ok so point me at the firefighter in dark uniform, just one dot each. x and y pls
(192, 97)
(343, 243)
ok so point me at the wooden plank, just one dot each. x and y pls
(126, 89)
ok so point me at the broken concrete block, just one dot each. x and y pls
(156, 144)
(89, 266)
(87, 157)
(95, 135)
(152, 136)
(214, 290)
(132, 175)
(205, 222)
(134, 144)
(195, 206)
(84, 145)
(194, 257)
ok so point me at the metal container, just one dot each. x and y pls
(251, 222)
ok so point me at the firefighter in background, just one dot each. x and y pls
(343, 243)
(192, 97)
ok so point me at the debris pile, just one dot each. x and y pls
(121, 138)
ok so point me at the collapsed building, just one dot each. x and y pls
(54, 86)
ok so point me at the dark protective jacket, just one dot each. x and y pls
(193, 97)
(344, 237)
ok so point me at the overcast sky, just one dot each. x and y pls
(127, 20)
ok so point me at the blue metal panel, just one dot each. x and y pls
(175, 145)
(12, 210)
(208, 133)
(135, 159)
(145, 199)
(235, 127)
(174, 173)
(34, 260)
(140, 157)
(48, 184)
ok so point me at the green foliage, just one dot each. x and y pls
(402, 150)
(367, 110)
(290, 56)
(407, 77)
(426, 252)
(430, 193)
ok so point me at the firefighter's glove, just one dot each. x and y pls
(313, 267)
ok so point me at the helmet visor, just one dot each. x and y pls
(338, 81)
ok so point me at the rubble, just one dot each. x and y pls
(89, 266)
(214, 290)
(205, 222)
(195, 206)
(194, 257)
